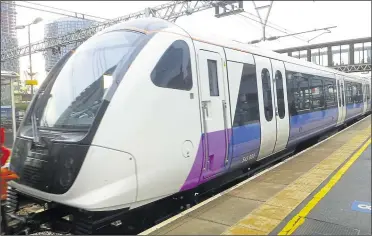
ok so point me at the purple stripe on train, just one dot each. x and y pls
(242, 140)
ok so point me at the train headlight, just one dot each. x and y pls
(67, 173)
(68, 161)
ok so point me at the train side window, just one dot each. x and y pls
(359, 93)
(267, 98)
(368, 93)
(247, 108)
(280, 94)
(349, 93)
(317, 94)
(302, 96)
(330, 93)
(291, 90)
(355, 98)
(174, 68)
(213, 78)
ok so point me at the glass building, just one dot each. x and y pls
(58, 28)
(9, 34)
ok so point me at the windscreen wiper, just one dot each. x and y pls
(35, 132)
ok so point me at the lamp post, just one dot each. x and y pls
(35, 21)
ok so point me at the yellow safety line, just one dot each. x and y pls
(299, 219)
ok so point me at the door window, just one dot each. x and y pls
(343, 94)
(280, 94)
(267, 98)
(247, 108)
(213, 77)
(339, 92)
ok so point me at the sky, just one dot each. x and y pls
(352, 18)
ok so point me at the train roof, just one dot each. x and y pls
(152, 24)
(227, 43)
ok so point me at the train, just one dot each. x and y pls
(144, 110)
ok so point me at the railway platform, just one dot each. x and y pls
(323, 190)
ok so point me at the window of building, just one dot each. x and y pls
(358, 53)
(315, 56)
(344, 54)
(317, 94)
(280, 94)
(323, 56)
(336, 56)
(303, 55)
(296, 54)
(267, 98)
(174, 68)
(247, 108)
(367, 52)
(213, 78)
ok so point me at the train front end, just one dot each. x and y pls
(53, 153)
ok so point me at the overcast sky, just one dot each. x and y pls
(352, 18)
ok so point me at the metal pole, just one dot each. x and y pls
(29, 53)
(13, 109)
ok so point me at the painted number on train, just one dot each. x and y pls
(249, 157)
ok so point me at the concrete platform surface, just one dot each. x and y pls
(346, 209)
(267, 202)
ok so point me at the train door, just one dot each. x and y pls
(364, 91)
(340, 100)
(266, 103)
(343, 99)
(281, 105)
(368, 93)
(215, 107)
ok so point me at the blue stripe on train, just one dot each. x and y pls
(352, 110)
(245, 142)
(307, 125)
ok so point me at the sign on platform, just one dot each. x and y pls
(361, 206)
(31, 82)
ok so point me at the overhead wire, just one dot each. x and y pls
(53, 12)
(270, 26)
(277, 26)
(60, 9)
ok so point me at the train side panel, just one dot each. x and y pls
(310, 114)
(354, 98)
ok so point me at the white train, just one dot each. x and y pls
(144, 110)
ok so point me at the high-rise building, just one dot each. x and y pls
(9, 34)
(57, 28)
